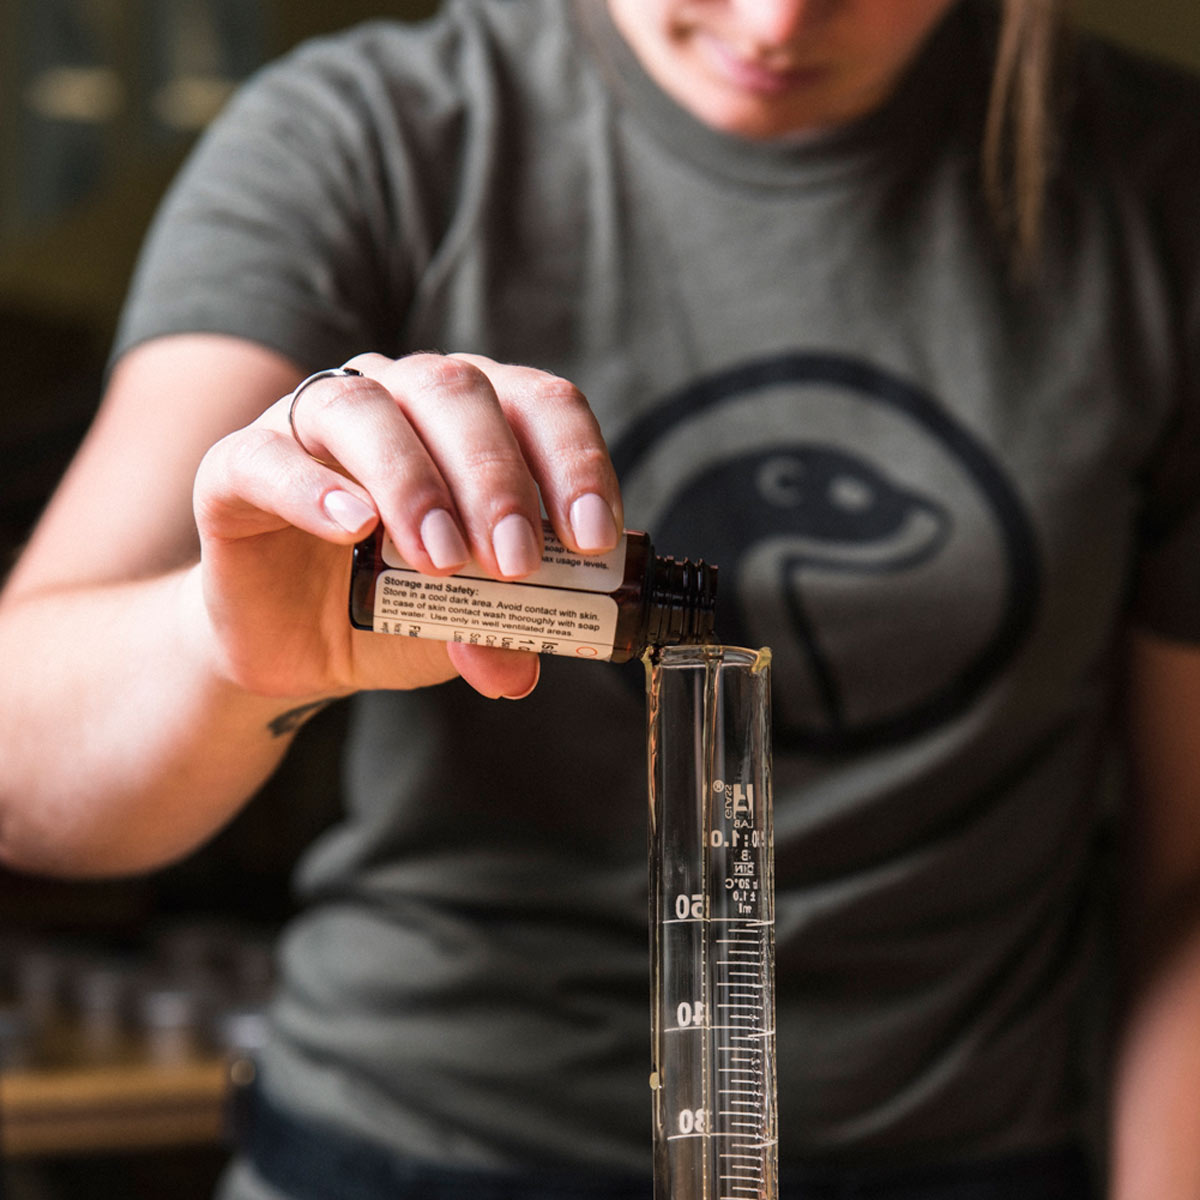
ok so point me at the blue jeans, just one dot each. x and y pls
(307, 1162)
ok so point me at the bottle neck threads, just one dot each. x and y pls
(680, 601)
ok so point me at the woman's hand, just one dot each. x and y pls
(452, 454)
(184, 597)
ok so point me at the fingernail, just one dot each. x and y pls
(515, 546)
(537, 674)
(443, 543)
(592, 523)
(348, 510)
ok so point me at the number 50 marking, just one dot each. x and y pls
(690, 906)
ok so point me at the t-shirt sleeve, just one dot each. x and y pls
(1166, 587)
(299, 220)
(1167, 591)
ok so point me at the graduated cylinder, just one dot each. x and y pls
(712, 921)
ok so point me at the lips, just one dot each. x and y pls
(761, 76)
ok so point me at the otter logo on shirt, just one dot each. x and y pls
(861, 532)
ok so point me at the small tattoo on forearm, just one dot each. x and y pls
(291, 720)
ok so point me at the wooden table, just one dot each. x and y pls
(114, 1107)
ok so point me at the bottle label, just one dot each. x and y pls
(562, 608)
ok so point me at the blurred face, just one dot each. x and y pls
(764, 68)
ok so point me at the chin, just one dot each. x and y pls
(760, 128)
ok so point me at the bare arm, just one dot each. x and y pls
(103, 693)
(1156, 1134)
(186, 588)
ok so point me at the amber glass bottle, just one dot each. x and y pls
(606, 607)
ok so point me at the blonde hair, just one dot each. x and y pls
(1019, 136)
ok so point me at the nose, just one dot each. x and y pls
(777, 22)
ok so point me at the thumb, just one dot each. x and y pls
(511, 674)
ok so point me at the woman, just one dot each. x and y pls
(929, 405)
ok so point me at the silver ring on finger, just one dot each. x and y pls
(333, 373)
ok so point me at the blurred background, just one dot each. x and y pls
(126, 1006)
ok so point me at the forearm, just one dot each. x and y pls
(1156, 1100)
(139, 707)
(1156, 1096)
(121, 745)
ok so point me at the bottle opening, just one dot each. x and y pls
(682, 602)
